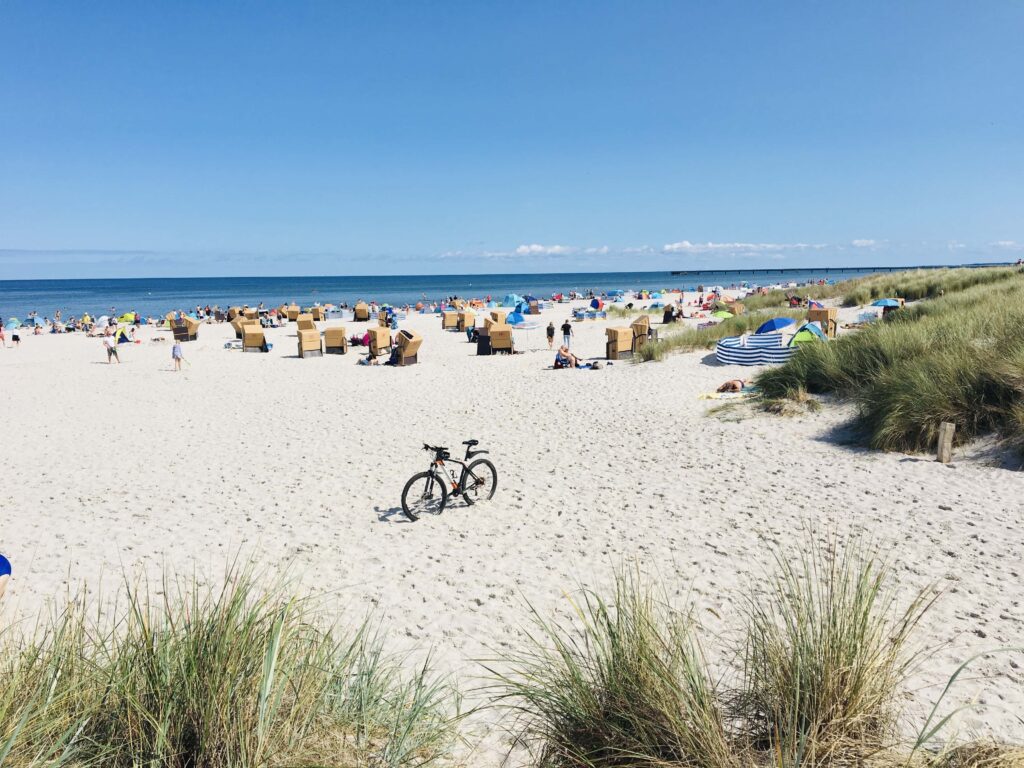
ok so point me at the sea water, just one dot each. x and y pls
(157, 296)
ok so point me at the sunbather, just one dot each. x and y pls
(733, 385)
(565, 359)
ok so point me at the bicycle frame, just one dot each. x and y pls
(438, 470)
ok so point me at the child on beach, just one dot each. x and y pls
(177, 355)
(110, 344)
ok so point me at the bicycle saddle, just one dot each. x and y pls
(471, 443)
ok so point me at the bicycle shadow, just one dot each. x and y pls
(392, 515)
(397, 516)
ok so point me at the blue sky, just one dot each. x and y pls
(182, 138)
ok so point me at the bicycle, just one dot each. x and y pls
(428, 491)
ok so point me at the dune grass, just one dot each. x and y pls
(957, 358)
(827, 655)
(621, 310)
(911, 285)
(626, 685)
(234, 676)
(824, 664)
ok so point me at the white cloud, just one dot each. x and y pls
(596, 251)
(639, 249)
(535, 249)
(863, 243)
(1011, 245)
(685, 246)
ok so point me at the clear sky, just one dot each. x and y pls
(229, 138)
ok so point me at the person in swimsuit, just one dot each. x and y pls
(551, 335)
(565, 359)
(734, 385)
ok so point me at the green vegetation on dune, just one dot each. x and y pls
(209, 678)
(911, 285)
(958, 358)
(825, 660)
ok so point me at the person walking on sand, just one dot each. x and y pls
(551, 334)
(567, 334)
(177, 355)
(110, 344)
(3, 339)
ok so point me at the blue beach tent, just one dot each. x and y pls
(775, 324)
(13, 322)
(512, 300)
(885, 303)
(515, 318)
(5, 566)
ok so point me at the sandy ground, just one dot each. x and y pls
(303, 461)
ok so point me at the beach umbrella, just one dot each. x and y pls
(775, 324)
(721, 314)
(885, 303)
(814, 304)
(13, 322)
(596, 303)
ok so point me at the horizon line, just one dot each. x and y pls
(673, 273)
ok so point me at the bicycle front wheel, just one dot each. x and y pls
(480, 482)
(424, 493)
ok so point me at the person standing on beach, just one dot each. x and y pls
(551, 334)
(3, 339)
(567, 334)
(177, 355)
(110, 344)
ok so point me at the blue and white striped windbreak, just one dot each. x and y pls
(760, 349)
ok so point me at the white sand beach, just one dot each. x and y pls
(301, 463)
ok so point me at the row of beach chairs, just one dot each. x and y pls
(334, 340)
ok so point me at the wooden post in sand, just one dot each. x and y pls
(946, 430)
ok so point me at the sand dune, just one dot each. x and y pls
(302, 462)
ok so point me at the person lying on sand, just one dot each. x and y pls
(734, 385)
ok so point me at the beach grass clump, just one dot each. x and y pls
(621, 310)
(626, 684)
(956, 359)
(239, 675)
(827, 655)
(821, 678)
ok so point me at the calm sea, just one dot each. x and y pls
(156, 296)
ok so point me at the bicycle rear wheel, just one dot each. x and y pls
(424, 493)
(479, 482)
